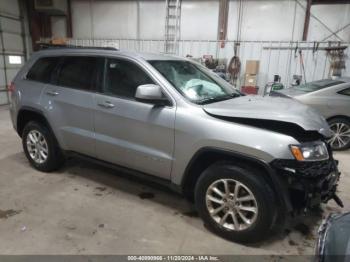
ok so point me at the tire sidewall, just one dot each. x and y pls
(343, 121)
(50, 161)
(261, 191)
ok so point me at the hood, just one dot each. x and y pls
(271, 109)
(290, 92)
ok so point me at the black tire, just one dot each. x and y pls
(253, 180)
(55, 158)
(339, 120)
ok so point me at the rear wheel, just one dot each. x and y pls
(235, 203)
(41, 148)
(341, 129)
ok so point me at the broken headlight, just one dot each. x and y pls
(311, 151)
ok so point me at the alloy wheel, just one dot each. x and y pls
(341, 136)
(37, 146)
(231, 204)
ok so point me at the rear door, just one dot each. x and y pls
(128, 132)
(69, 101)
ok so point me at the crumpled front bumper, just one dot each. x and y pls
(309, 183)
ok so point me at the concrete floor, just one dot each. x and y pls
(87, 209)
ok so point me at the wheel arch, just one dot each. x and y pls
(27, 114)
(207, 156)
(338, 116)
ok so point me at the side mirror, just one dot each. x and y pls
(151, 93)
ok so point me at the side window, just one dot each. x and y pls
(79, 72)
(123, 78)
(345, 92)
(42, 69)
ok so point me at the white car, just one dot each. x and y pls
(332, 99)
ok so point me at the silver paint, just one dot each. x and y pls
(159, 140)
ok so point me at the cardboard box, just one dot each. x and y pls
(249, 90)
(252, 67)
(59, 41)
(250, 80)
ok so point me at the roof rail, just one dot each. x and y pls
(54, 46)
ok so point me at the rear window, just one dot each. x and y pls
(42, 69)
(318, 85)
(78, 72)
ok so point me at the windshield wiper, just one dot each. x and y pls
(218, 98)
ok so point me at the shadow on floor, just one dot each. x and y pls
(111, 179)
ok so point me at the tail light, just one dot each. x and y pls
(12, 87)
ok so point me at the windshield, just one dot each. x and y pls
(194, 82)
(318, 85)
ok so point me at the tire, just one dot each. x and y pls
(341, 127)
(48, 146)
(266, 208)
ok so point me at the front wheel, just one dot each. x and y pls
(235, 203)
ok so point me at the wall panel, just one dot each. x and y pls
(263, 20)
(199, 19)
(114, 19)
(9, 7)
(12, 43)
(81, 19)
(334, 17)
(152, 19)
(59, 26)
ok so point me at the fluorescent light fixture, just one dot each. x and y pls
(15, 60)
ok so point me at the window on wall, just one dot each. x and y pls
(79, 72)
(345, 92)
(42, 69)
(15, 60)
(123, 78)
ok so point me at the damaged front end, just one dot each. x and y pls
(309, 183)
(310, 174)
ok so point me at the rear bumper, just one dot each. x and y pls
(13, 112)
(13, 117)
(308, 183)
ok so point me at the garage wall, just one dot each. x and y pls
(266, 20)
(118, 19)
(259, 24)
(59, 26)
(12, 45)
(284, 20)
(150, 15)
(114, 20)
(262, 20)
(143, 19)
(334, 17)
(81, 19)
(199, 19)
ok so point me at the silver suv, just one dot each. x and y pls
(246, 162)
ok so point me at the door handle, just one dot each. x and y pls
(106, 104)
(52, 93)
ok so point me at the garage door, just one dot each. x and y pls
(12, 52)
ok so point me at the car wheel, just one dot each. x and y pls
(41, 148)
(341, 129)
(235, 203)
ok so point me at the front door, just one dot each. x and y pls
(130, 133)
